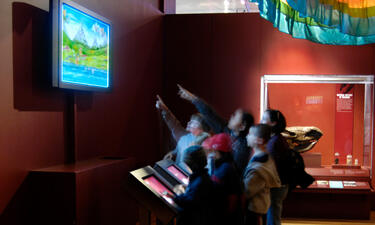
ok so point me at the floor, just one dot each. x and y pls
(329, 221)
(299, 221)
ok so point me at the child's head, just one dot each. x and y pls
(221, 144)
(195, 157)
(240, 121)
(275, 119)
(258, 135)
(197, 125)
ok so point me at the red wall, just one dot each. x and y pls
(32, 127)
(31, 134)
(118, 123)
(221, 57)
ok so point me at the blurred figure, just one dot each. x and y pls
(278, 149)
(260, 176)
(237, 127)
(225, 179)
(197, 202)
(194, 134)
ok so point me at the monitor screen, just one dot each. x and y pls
(160, 188)
(335, 184)
(178, 174)
(82, 45)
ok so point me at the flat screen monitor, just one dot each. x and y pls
(82, 46)
(178, 174)
(160, 188)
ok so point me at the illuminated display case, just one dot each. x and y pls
(340, 108)
(330, 122)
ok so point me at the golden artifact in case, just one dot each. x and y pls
(302, 138)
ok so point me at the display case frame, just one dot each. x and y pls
(366, 80)
(350, 201)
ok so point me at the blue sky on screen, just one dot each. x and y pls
(95, 31)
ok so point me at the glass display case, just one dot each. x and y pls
(330, 121)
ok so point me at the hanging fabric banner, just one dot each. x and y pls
(325, 22)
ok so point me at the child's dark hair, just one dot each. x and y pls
(248, 120)
(278, 117)
(198, 117)
(195, 157)
(262, 131)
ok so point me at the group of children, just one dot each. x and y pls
(237, 174)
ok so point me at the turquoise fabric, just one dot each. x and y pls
(356, 22)
(290, 21)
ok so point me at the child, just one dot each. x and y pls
(237, 127)
(227, 185)
(196, 203)
(278, 149)
(194, 134)
(260, 175)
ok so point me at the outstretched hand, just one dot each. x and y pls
(167, 194)
(169, 156)
(185, 94)
(160, 104)
(179, 189)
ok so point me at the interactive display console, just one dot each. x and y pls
(172, 173)
(155, 184)
(153, 192)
